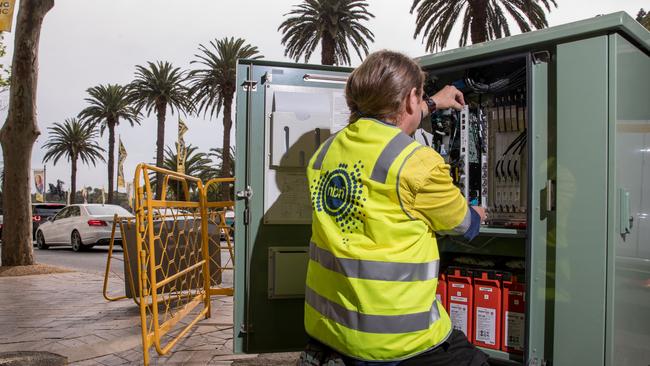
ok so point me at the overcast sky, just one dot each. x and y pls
(85, 43)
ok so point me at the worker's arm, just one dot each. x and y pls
(428, 193)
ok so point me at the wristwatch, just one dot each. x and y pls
(431, 104)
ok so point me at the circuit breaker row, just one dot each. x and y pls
(509, 123)
(486, 148)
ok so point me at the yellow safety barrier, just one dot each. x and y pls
(178, 241)
(120, 222)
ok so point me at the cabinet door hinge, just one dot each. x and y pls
(541, 57)
(249, 85)
(245, 329)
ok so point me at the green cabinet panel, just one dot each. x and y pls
(580, 239)
(628, 300)
(588, 86)
(266, 321)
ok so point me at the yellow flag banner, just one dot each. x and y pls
(39, 184)
(121, 157)
(6, 15)
(181, 150)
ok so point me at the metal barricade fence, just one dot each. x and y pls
(174, 251)
(173, 257)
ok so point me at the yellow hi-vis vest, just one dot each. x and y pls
(373, 269)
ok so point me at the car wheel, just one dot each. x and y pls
(40, 241)
(75, 240)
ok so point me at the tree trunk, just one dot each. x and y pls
(111, 158)
(226, 166)
(19, 133)
(73, 179)
(161, 111)
(327, 49)
(479, 25)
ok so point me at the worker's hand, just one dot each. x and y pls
(449, 97)
(481, 212)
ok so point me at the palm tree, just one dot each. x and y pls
(217, 154)
(213, 86)
(221, 192)
(333, 23)
(197, 164)
(156, 88)
(483, 20)
(73, 140)
(108, 105)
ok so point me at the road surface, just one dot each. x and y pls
(94, 260)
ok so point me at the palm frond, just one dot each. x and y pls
(160, 83)
(109, 104)
(481, 19)
(72, 140)
(214, 81)
(308, 23)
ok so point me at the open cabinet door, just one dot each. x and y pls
(284, 111)
(541, 216)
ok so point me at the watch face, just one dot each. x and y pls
(431, 104)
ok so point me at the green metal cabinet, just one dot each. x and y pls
(587, 242)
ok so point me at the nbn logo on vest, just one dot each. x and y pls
(339, 193)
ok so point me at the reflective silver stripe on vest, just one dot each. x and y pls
(321, 154)
(384, 324)
(374, 270)
(388, 156)
(462, 227)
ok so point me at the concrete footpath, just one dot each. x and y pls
(66, 314)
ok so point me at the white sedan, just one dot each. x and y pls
(80, 226)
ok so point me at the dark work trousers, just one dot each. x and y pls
(455, 351)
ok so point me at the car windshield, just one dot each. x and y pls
(107, 210)
(47, 209)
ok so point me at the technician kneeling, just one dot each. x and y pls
(378, 197)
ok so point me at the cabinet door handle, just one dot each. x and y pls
(550, 195)
(625, 213)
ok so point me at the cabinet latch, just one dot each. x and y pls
(246, 195)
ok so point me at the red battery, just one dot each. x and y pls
(487, 309)
(441, 290)
(459, 299)
(514, 314)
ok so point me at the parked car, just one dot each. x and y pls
(81, 226)
(230, 218)
(41, 212)
(230, 222)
